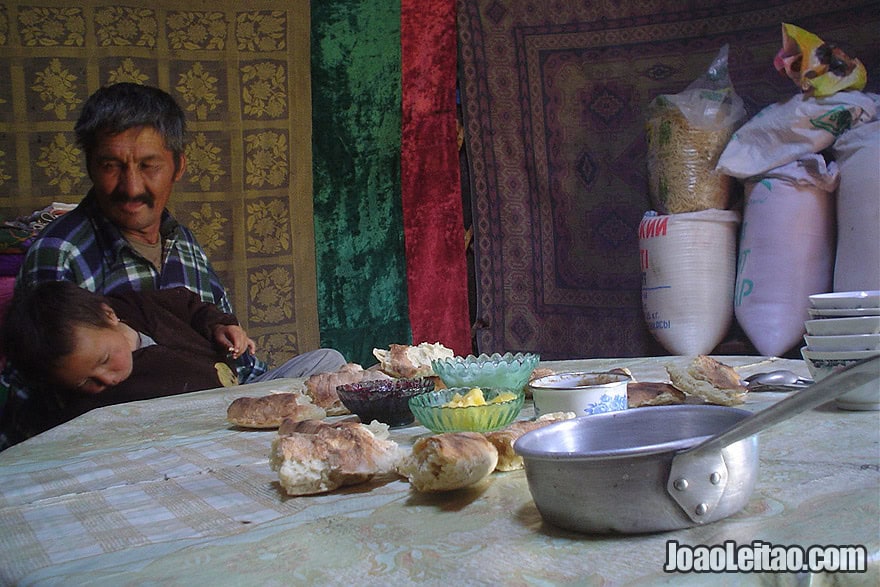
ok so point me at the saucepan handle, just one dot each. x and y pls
(698, 476)
(838, 383)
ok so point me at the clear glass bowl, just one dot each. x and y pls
(385, 400)
(510, 371)
(429, 411)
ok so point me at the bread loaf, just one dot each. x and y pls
(503, 439)
(321, 387)
(539, 372)
(293, 426)
(268, 411)
(448, 461)
(408, 361)
(329, 456)
(652, 393)
(710, 380)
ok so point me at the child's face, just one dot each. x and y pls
(101, 359)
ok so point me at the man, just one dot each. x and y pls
(121, 236)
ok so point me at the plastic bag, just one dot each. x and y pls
(817, 67)
(686, 134)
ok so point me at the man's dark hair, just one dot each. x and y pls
(114, 109)
(38, 329)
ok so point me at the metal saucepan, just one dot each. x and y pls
(660, 468)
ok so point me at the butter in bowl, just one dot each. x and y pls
(467, 409)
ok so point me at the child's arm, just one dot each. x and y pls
(234, 339)
(205, 318)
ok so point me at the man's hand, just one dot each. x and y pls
(234, 339)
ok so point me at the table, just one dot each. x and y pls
(166, 492)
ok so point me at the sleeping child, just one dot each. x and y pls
(76, 350)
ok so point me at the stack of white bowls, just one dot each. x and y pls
(844, 327)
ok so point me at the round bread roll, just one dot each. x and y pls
(503, 439)
(448, 461)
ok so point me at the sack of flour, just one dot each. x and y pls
(686, 133)
(857, 265)
(787, 131)
(786, 251)
(688, 266)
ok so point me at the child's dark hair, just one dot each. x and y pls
(38, 329)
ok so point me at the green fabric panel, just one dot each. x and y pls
(356, 96)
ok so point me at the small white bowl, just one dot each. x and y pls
(843, 342)
(849, 325)
(846, 300)
(823, 363)
(821, 313)
(583, 393)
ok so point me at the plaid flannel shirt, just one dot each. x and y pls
(84, 247)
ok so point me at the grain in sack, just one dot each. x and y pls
(786, 251)
(686, 134)
(688, 264)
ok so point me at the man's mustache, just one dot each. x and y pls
(142, 198)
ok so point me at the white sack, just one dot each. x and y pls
(788, 131)
(858, 209)
(786, 252)
(688, 272)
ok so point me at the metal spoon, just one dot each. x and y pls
(779, 380)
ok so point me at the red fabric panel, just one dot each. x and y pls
(430, 176)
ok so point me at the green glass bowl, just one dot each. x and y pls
(509, 371)
(429, 411)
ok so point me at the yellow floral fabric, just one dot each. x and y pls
(241, 73)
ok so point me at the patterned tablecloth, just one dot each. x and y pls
(166, 492)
